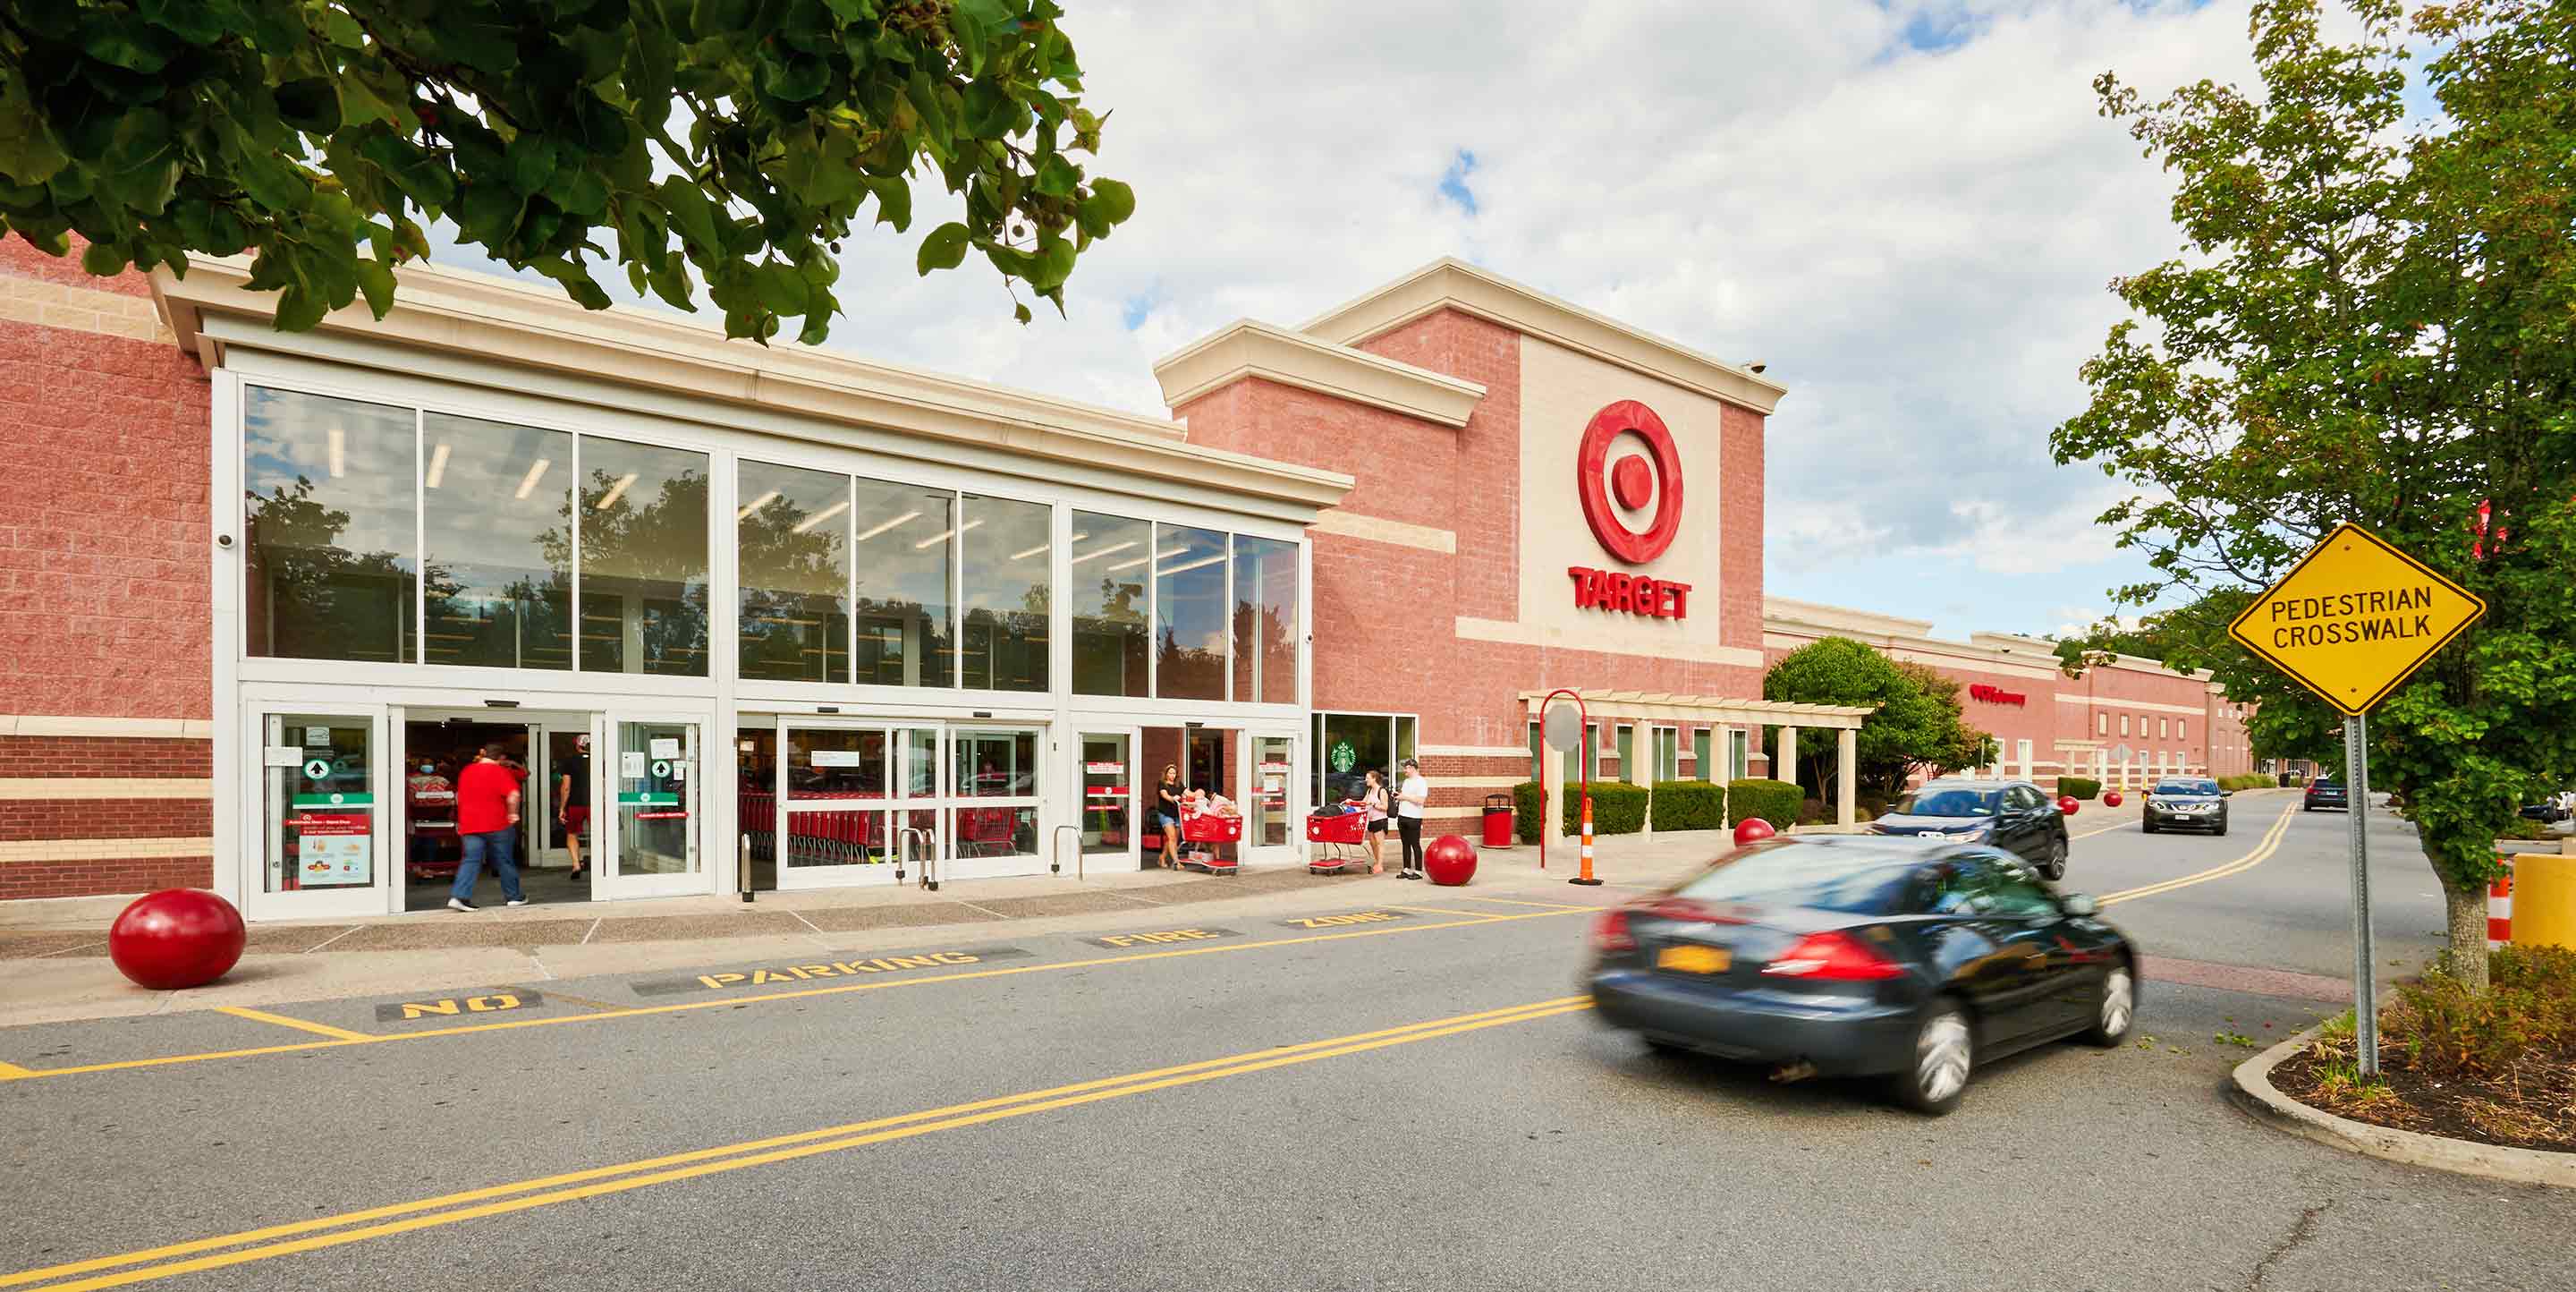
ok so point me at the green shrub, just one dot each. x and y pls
(2082, 787)
(1774, 801)
(1689, 805)
(2529, 1007)
(1617, 808)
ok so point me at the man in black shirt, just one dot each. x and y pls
(572, 799)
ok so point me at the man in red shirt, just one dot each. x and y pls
(487, 820)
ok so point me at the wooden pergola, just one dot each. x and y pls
(1651, 707)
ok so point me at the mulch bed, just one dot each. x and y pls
(2530, 1105)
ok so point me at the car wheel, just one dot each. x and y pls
(1944, 1054)
(2115, 1007)
(2146, 827)
(2222, 827)
(2054, 868)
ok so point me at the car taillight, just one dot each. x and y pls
(1610, 933)
(1835, 957)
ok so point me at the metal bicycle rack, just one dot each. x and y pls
(1055, 850)
(929, 855)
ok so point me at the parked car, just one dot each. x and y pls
(2546, 811)
(1855, 955)
(2013, 815)
(2326, 794)
(2185, 803)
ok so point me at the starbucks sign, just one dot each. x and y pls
(1343, 757)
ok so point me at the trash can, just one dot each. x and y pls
(1498, 820)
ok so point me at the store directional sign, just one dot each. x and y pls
(2354, 618)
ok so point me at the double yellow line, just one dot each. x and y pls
(2262, 852)
(251, 1245)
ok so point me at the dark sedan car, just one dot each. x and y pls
(2012, 815)
(2185, 803)
(1855, 955)
(2326, 794)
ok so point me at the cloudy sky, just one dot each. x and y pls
(1910, 210)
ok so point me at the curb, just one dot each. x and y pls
(2253, 1091)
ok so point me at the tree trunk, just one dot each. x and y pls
(2468, 951)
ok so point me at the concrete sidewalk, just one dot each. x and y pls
(54, 966)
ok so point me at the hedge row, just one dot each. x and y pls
(2250, 781)
(2082, 787)
(1621, 808)
(1774, 801)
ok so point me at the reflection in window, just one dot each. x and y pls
(495, 498)
(1109, 561)
(900, 547)
(1009, 563)
(1265, 621)
(643, 530)
(330, 569)
(1353, 745)
(1189, 607)
(793, 531)
(995, 764)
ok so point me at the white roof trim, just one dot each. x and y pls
(1452, 283)
(1245, 348)
(1636, 705)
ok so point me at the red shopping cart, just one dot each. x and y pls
(1342, 834)
(1203, 830)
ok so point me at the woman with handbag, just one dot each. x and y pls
(1374, 803)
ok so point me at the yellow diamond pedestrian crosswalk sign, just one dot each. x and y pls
(2354, 618)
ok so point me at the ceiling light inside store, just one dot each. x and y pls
(1129, 565)
(339, 451)
(615, 492)
(944, 535)
(819, 517)
(535, 473)
(899, 520)
(1027, 552)
(755, 505)
(1114, 547)
(437, 465)
(1204, 560)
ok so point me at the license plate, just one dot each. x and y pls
(1695, 959)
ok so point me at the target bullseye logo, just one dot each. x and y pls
(1632, 483)
(1654, 476)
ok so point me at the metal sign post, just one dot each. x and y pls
(2353, 619)
(2365, 980)
(1572, 736)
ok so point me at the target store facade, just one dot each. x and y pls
(749, 618)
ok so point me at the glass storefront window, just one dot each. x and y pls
(496, 502)
(1265, 621)
(995, 764)
(1109, 559)
(900, 545)
(321, 812)
(1007, 570)
(330, 559)
(1700, 768)
(792, 531)
(1189, 612)
(1354, 745)
(643, 539)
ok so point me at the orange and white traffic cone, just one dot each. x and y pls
(1586, 877)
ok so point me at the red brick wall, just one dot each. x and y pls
(103, 756)
(105, 818)
(84, 878)
(105, 608)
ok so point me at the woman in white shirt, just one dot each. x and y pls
(1411, 796)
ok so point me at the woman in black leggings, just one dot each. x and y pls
(1412, 793)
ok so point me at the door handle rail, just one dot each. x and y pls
(1055, 851)
(929, 856)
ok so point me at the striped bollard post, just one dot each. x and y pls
(1586, 877)
(2500, 910)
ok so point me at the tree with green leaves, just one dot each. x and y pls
(723, 144)
(1917, 725)
(2371, 321)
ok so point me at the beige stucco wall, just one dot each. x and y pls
(1560, 391)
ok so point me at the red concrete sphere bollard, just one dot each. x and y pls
(2068, 803)
(1450, 861)
(176, 938)
(2111, 799)
(1752, 829)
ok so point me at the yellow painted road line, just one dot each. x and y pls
(319, 1029)
(722, 1002)
(283, 1240)
(1435, 910)
(2262, 851)
(1545, 906)
(8, 1070)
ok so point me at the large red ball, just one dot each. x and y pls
(2111, 799)
(2068, 803)
(176, 938)
(1752, 829)
(1449, 860)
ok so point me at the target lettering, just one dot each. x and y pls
(1630, 594)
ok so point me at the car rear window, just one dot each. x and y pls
(1948, 803)
(1816, 875)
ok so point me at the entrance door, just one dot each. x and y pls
(1268, 829)
(995, 787)
(320, 829)
(1105, 763)
(647, 777)
(846, 793)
